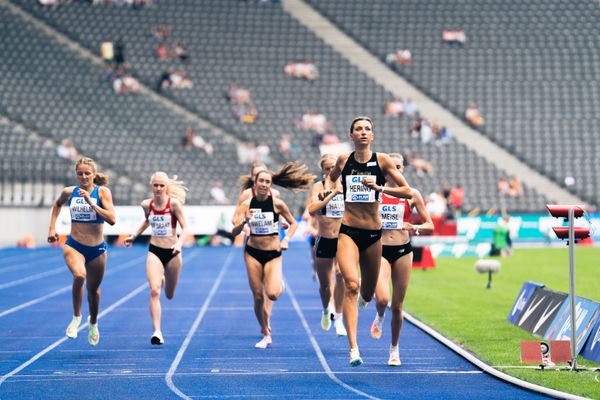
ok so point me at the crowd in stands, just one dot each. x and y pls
(402, 56)
(473, 116)
(240, 100)
(250, 152)
(454, 36)
(305, 69)
(430, 132)
(512, 187)
(191, 140)
(66, 149)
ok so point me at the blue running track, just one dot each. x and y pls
(210, 331)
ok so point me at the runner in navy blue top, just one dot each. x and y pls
(262, 253)
(363, 176)
(162, 214)
(90, 204)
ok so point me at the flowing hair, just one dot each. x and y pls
(99, 179)
(360, 118)
(175, 188)
(246, 181)
(292, 175)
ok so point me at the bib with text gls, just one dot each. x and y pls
(356, 192)
(391, 215)
(81, 211)
(335, 207)
(161, 225)
(262, 223)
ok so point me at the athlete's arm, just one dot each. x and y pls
(316, 203)
(144, 225)
(330, 184)
(240, 217)
(427, 226)
(284, 211)
(178, 212)
(107, 211)
(56, 206)
(389, 169)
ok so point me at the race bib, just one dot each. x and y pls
(262, 223)
(81, 211)
(161, 225)
(356, 192)
(392, 216)
(335, 207)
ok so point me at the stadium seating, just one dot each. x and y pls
(229, 41)
(531, 67)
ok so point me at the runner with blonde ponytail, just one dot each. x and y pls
(163, 212)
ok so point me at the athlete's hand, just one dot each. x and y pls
(86, 195)
(284, 225)
(324, 194)
(129, 240)
(410, 228)
(176, 248)
(283, 245)
(52, 236)
(369, 182)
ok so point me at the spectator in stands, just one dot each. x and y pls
(473, 116)
(180, 52)
(192, 140)
(287, 149)
(443, 136)
(394, 107)
(119, 52)
(161, 32)
(246, 152)
(426, 131)
(314, 121)
(164, 81)
(436, 205)
(237, 94)
(516, 189)
(457, 195)
(305, 69)
(409, 107)
(179, 80)
(245, 112)
(218, 194)
(503, 186)
(263, 153)
(66, 149)
(330, 137)
(421, 165)
(454, 37)
(162, 52)
(107, 51)
(402, 56)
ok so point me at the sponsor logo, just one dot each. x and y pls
(356, 179)
(545, 316)
(519, 304)
(596, 338)
(372, 164)
(359, 197)
(388, 208)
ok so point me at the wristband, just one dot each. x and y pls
(417, 230)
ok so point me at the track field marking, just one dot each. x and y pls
(317, 349)
(192, 331)
(33, 359)
(33, 277)
(67, 288)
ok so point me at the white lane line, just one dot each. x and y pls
(67, 288)
(33, 359)
(131, 374)
(27, 265)
(33, 277)
(26, 255)
(192, 331)
(317, 349)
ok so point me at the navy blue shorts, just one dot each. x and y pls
(89, 252)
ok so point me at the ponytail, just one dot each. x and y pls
(293, 176)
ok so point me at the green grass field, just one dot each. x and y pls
(453, 299)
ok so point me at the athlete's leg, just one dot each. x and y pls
(324, 267)
(155, 273)
(76, 263)
(400, 277)
(338, 291)
(347, 257)
(255, 280)
(95, 273)
(370, 260)
(382, 291)
(172, 275)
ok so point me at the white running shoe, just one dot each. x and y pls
(325, 320)
(93, 333)
(157, 338)
(73, 327)
(376, 326)
(362, 304)
(394, 360)
(355, 359)
(340, 329)
(264, 342)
